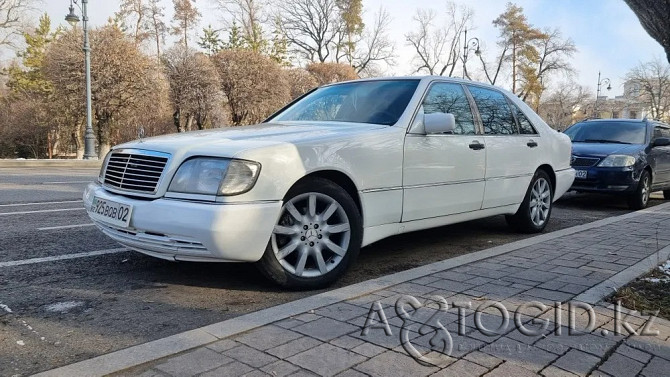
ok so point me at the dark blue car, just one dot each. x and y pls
(628, 157)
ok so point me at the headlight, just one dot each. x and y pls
(101, 175)
(617, 161)
(215, 176)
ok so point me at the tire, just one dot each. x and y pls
(306, 251)
(640, 199)
(666, 194)
(532, 217)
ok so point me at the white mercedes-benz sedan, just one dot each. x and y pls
(343, 166)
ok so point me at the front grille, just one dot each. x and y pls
(584, 162)
(135, 171)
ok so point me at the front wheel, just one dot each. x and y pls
(666, 194)
(535, 210)
(640, 199)
(317, 236)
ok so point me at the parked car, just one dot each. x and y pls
(628, 157)
(344, 166)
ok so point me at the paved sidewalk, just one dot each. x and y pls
(567, 273)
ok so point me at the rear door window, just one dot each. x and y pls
(495, 113)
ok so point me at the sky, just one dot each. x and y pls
(607, 34)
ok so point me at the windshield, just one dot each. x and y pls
(608, 132)
(377, 102)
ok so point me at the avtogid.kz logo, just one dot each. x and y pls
(531, 319)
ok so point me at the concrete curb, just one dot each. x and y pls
(50, 163)
(595, 294)
(147, 352)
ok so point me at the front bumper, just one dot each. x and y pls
(607, 180)
(191, 231)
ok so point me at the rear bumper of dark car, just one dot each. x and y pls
(607, 180)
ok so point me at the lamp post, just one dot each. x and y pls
(469, 45)
(73, 19)
(600, 83)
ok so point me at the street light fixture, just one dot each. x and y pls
(471, 44)
(600, 83)
(73, 19)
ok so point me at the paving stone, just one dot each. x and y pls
(634, 354)
(326, 359)
(233, 369)
(509, 369)
(368, 349)
(378, 336)
(303, 373)
(194, 362)
(656, 367)
(250, 356)
(549, 295)
(288, 323)
(451, 285)
(559, 344)
(255, 373)
(650, 344)
(573, 288)
(577, 362)
(326, 329)
(416, 290)
(552, 371)
(392, 364)
(306, 317)
(351, 373)
(552, 285)
(223, 345)
(346, 342)
(527, 356)
(621, 366)
(462, 368)
(280, 368)
(267, 337)
(293, 347)
(365, 301)
(483, 359)
(341, 311)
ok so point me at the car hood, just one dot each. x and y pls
(228, 141)
(604, 149)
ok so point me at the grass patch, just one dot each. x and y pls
(648, 293)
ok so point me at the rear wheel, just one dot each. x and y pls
(640, 199)
(316, 238)
(666, 194)
(535, 210)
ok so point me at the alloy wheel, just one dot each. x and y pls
(312, 235)
(540, 202)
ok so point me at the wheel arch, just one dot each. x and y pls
(339, 178)
(552, 175)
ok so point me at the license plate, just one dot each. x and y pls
(581, 174)
(111, 212)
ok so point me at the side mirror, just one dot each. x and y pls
(439, 123)
(661, 142)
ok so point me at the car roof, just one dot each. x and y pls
(430, 78)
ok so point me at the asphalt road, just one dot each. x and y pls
(55, 311)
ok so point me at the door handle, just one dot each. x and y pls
(532, 144)
(476, 145)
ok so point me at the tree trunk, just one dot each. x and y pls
(78, 139)
(189, 122)
(104, 128)
(176, 119)
(654, 15)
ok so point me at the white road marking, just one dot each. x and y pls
(41, 211)
(37, 203)
(65, 227)
(62, 257)
(64, 182)
(5, 308)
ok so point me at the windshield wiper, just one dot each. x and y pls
(604, 141)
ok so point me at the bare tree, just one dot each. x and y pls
(300, 80)
(12, 13)
(194, 87)
(654, 15)
(374, 46)
(561, 107)
(185, 19)
(311, 27)
(251, 16)
(652, 80)
(554, 57)
(437, 47)
(136, 12)
(156, 27)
